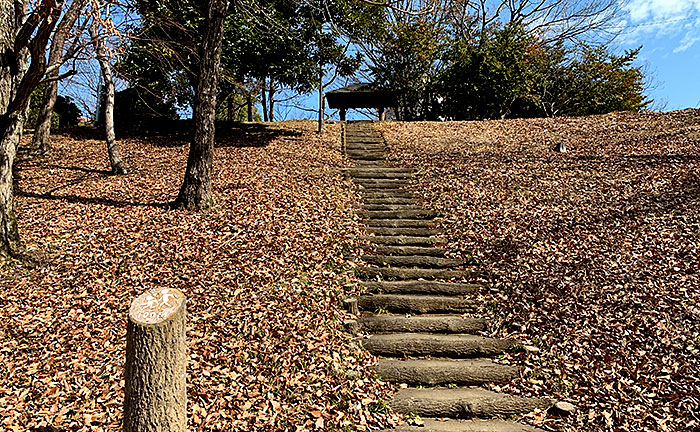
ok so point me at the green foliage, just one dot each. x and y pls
(487, 78)
(233, 106)
(65, 114)
(406, 65)
(135, 107)
(509, 73)
(67, 111)
(601, 82)
(503, 72)
(270, 40)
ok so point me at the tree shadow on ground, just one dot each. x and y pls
(46, 429)
(177, 133)
(644, 159)
(76, 199)
(80, 169)
(231, 134)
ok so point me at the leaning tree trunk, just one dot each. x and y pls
(196, 188)
(115, 161)
(10, 134)
(249, 102)
(42, 132)
(19, 76)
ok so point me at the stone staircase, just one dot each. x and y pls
(420, 307)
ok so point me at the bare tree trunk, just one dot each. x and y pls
(229, 107)
(321, 104)
(264, 102)
(10, 130)
(42, 132)
(10, 134)
(271, 100)
(115, 161)
(196, 188)
(249, 102)
(155, 393)
(18, 78)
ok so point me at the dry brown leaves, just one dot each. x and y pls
(596, 253)
(263, 270)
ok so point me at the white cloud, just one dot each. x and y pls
(656, 10)
(687, 41)
(676, 19)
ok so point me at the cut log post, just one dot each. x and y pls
(155, 394)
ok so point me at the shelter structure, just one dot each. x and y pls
(362, 95)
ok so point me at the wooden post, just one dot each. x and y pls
(343, 112)
(382, 114)
(155, 394)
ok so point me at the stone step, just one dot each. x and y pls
(422, 287)
(373, 139)
(476, 425)
(411, 261)
(435, 345)
(405, 240)
(381, 183)
(374, 194)
(364, 148)
(410, 250)
(390, 207)
(464, 403)
(420, 324)
(399, 214)
(366, 156)
(399, 223)
(369, 138)
(379, 174)
(363, 137)
(394, 201)
(388, 188)
(404, 273)
(417, 303)
(413, 232)
(368, 163)
(440, 372)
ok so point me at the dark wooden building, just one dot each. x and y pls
(360, 96)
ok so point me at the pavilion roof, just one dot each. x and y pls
(360, 95)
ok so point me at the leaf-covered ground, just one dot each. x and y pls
(595, 253)
(263, 270)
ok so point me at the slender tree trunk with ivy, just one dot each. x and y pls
(115, 161)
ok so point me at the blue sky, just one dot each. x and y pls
(669, 31)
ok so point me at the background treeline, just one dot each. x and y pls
(442, 60)
(502, 71)
(271, 49)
